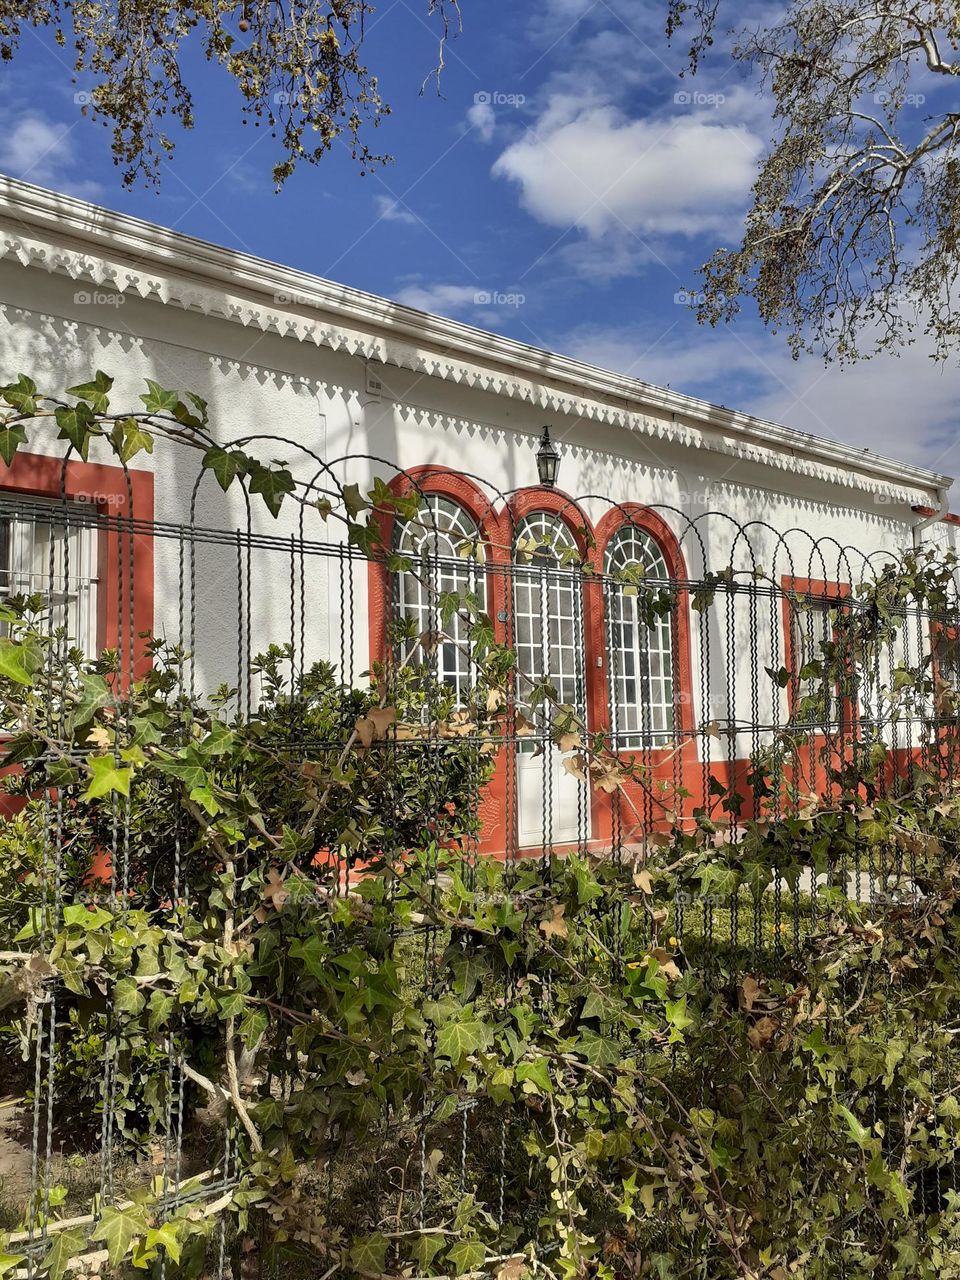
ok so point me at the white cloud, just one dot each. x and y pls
(589, 166)
(391, 210)
(897, 406)
(482, 119)
(42, 151)
(441, 299)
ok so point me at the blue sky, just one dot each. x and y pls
(562, 190)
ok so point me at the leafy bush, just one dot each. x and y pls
(453, 1065)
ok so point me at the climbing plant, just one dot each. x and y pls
(355, 1045)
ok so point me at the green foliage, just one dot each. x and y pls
(646, 1089)
(296, 66)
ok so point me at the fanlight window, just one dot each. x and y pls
(42, 554)
(547, 607)
(443, 542)
(641, 676)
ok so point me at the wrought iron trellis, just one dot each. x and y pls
(739, 613)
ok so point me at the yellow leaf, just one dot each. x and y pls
(573, 765)
(556, 926)
(99, 737)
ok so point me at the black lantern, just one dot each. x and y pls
(548, 460)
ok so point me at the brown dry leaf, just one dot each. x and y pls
(383, 718)
(569, 742)
(432, 1162)
(713, 729)
(495, 699)
(99, 737)
(489, 747)
(513, 1268)
(556, 926)
(430, 640)
(762, 1032)
(406, 732)
(665, 963)
(750, 992)
(609, 780)
(275, 891)
(366, 730)
(523, 727)
(643, 882)
(809, 804)
(574, 766)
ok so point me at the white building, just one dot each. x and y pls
(339, 375)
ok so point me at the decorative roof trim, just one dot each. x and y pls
(60, 234)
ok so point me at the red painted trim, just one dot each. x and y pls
(106, 488)
(817, 589)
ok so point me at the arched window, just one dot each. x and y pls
(443, 543)
(547, 604)
(640, 642)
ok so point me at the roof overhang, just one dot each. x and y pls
(59, 233)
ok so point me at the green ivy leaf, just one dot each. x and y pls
(18, 661)
(273, 484)
(129, 438)
(466, 1255)
(95, 392)
(353, 500)
(22, 394)
(858, 1132)
(166, 1237)
(425, 1248)
(10, 440)
(107, 777)
(66, 1245)
(369, 1255)
(456, 1040)
(94, 694)
(127, 996)
(117, 1229)
(226, 465)
(157, 399)
(536, 1074)
(76, 425)
(9, 1260)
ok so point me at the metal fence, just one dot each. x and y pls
(688, 645)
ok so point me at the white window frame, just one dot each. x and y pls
(444, 542)
(30, 529)
(642, 659)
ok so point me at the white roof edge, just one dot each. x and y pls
(36, 208)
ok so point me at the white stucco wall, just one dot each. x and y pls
(314, 397)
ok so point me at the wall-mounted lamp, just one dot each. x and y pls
(548, 460)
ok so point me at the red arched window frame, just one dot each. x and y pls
(527, 502)
(117, 494)
(649, 522)
(447, 484)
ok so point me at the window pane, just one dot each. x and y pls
(640, 679)
(444, 544)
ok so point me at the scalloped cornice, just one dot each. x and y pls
(44, 230)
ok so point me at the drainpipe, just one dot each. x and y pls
(928, 517)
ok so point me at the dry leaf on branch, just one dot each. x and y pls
(555, 926)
